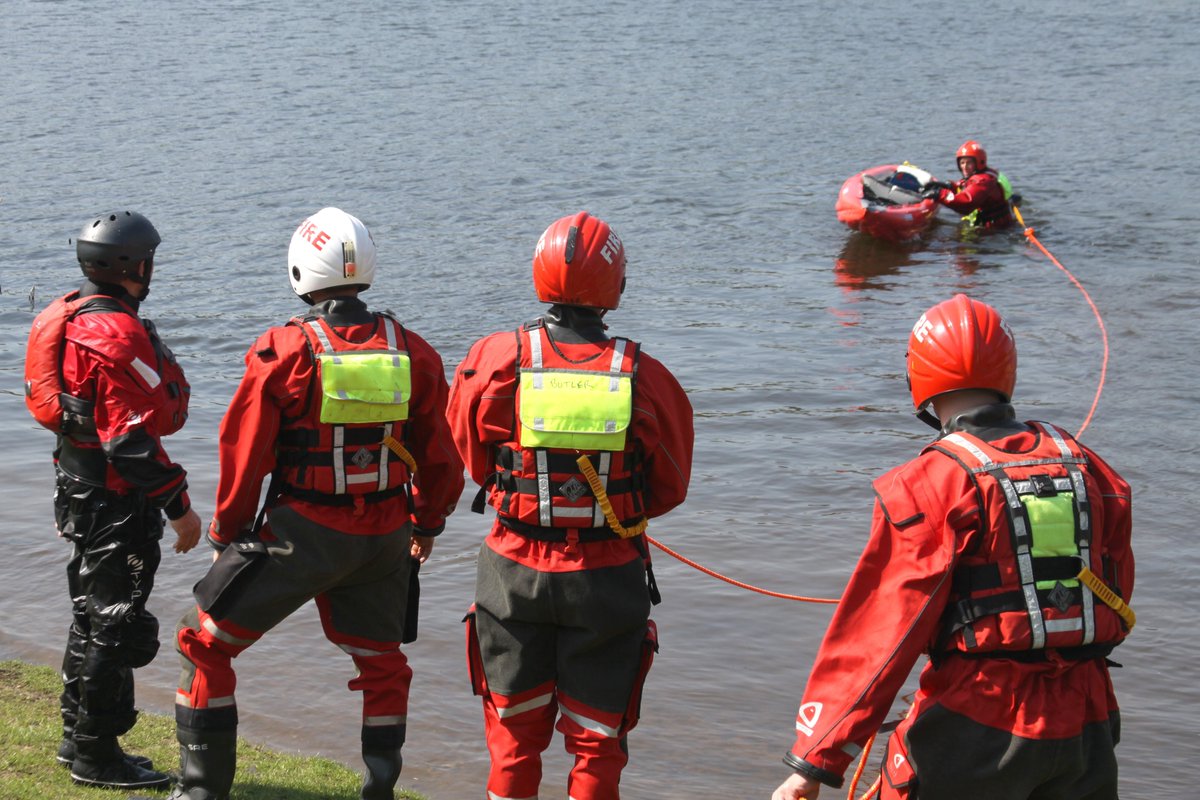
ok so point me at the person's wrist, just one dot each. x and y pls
(178, 506)
(812, 772)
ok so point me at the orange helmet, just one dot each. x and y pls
(580, 261)
(960, 344)
(973, 149)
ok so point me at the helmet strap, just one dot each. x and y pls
(927, 416)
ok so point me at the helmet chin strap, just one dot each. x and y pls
(145, 271)
(927, 416)
(923, 413)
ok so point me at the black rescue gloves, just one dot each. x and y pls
(934, 188)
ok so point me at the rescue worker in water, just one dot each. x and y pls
(576, 439)
(983, 196)
(345, 409)
(1003, 551)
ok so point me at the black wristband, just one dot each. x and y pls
(816, 773)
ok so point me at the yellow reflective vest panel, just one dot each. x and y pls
(567, 409)
(350, 441)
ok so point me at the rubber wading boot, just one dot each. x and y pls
(99, 762)
(66, 755)
(381, 753)
(207, 761)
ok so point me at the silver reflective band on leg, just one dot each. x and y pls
(381, 722)
(541, 701)
(212, 628)
(589, 724)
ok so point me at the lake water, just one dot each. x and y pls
(713, 136)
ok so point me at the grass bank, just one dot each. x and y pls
(30, 730)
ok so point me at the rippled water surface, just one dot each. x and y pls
(714, 136)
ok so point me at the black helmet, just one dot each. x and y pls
(112, 245)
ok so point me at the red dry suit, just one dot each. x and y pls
(1017, 679)
(112, 371)
(983, 192)
(553, 579)
(339, 517)
(113, 482)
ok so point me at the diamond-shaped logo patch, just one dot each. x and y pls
(362, 458)
(573, 489)
(1060, 596)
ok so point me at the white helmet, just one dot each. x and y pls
(331, 248)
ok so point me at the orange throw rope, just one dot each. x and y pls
(862, 762)
(739, 584)
(1099, 320)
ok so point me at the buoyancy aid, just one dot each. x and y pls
(1021, 592)
(566, 409)
(347, 446)
(993, 214)
(73, 416)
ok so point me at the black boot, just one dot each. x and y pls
(99, 762)
(381, 753)
(66, 755)
(207, 762)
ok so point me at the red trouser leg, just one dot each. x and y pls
(207, 648)
(518, 729)
(597, 741)
(383, 678)
(384, 675)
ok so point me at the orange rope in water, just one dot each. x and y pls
(1029, 234)
(739, 584)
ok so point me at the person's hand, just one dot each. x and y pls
(422, 546)
(187, 531)
(797, 787)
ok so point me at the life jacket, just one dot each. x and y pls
(346, 447)
(566, 410)
(74, 416)
(1022, 593)
(995, 214)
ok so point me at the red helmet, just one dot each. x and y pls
(960, 344)
(973, 149)
(580, 261)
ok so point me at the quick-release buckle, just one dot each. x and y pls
(966, 612)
